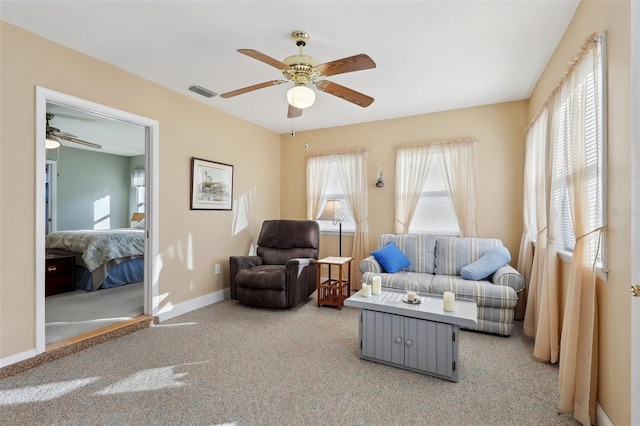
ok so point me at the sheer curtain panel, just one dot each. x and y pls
(565, 159)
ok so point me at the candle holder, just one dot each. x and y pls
(411, 289)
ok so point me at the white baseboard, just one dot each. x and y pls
(170, 311)
(12, 359)
(601, 417)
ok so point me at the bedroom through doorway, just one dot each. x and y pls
(96, 234)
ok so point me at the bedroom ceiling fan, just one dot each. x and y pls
(54, 135)
(304, 70)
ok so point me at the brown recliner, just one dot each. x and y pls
(284, 272)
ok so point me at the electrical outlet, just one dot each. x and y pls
(217, 269)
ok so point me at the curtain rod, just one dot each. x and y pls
(437, 142)
(332, 153)
(591, 40)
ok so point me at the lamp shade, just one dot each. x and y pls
(51, 143)
(301, 96)
(137, 216)
(333, 211)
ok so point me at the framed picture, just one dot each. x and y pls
(211, 185)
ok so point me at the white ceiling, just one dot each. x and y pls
(116, 137)
(430, 55)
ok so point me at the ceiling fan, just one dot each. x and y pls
(304, 70)
(54, 135)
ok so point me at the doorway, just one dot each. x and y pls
(149, 130)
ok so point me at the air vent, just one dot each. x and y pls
(202, 91)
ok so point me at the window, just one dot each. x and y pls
(435, 189)
(336, 192)
(581, 113)
(138, 185)
(576, 136)
(434, 212)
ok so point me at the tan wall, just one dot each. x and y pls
(190, 242)
(499, 127)
(613, 296)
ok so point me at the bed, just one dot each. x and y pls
(104, 258)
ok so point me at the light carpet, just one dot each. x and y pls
(73, 313)
(232, 364)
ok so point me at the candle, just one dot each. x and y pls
(366, 290)
(376, 285)
(448, 301)
(411, 296)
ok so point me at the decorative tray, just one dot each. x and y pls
(416, 301)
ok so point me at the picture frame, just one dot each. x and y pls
(211, 185)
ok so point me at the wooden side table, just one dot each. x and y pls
(334, 291)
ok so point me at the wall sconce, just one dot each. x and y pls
(380, 182)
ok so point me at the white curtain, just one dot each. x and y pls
(459, 159)
(541, 316)
(317, 181)
(568, 180)
(579, 351)
(352, 171)
(525, 256)
(412, 168)
(547, 344)
(538, 136)
(137, 178)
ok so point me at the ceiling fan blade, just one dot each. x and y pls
(294, 112)
(81, 142)
(345, 93)
(63, 134)
(264, 58)
(352, 63)
(252, 88)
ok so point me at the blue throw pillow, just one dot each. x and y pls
(391, 258)
(487, 264)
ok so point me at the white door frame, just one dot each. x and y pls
(53, 196)
(635, 210)
(152, 127)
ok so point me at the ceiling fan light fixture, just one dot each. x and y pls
(51, 143)
(301, 97)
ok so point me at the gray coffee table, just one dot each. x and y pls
(422, 338)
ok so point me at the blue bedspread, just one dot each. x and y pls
(127, 272)
(100, 246)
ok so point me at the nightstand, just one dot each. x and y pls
(59, 272)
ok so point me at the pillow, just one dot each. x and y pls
(487, 264)
(391, 258)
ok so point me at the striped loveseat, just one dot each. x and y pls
(436, 263)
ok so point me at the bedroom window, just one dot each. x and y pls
(138, 185)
